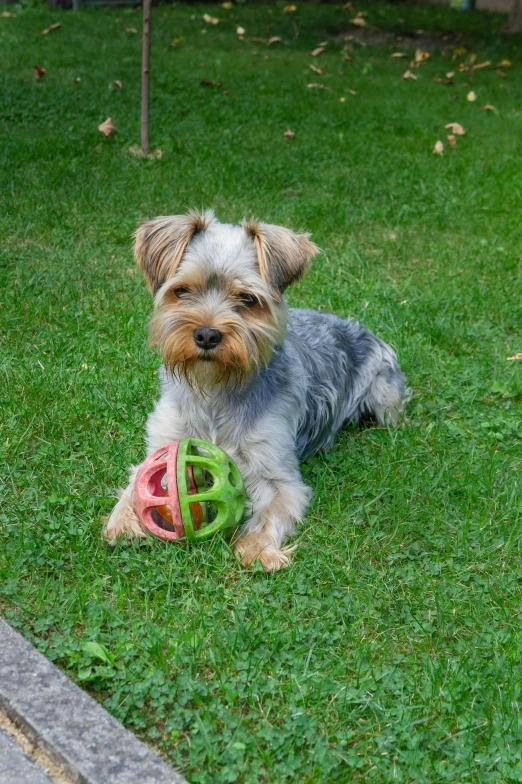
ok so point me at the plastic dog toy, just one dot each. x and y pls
(188, 490)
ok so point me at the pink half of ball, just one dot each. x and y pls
(149, 492)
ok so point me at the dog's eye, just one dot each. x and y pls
(181, 291)
(248, 300)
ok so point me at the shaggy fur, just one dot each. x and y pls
(277, 385)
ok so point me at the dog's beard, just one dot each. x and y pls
(246, 346)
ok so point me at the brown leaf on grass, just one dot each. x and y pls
(342, 100)
(452, 140)
(347, 58)
(319, 86)
(501, 73)
(240, 30)
(455, 128)
(39, 72)
(289, 134)
(461, 68)
(515, 356)
(399, 55)
(210, 19)
(458, 52)
(478, 66)
(471, 96)
(54, 26)
(7, 15)
(274, 40)
(505, 64)
(321, 70)
(450, 74)
(289, 9)
(131, 30)
(489, 108)
(210, 83)
(319, 50)
(352, 92)
(227, 6)
(439, 148)
(107, 128)
(118, 84)
(439, 80)
(409, 75)
(421, 56)
(359, 21)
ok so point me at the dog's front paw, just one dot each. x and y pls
(123, 520)
(259, 547)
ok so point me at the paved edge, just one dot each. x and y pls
(68, 725)
(16, 767)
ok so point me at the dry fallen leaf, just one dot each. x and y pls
(240, 30)
(317, 85)
(442, 81)
(175, 42)
(342, 100)
(54, 26)
(515, 356)
(131, 30)
(501, 73)
(359, 20)
(482, 65)
(461, 68)
(399, 54)
(439, 148)
(289, 134)
(210, 19)
(316, 70)
(118, 84)
(455, 128)
(452, 140)
(39, 72)
(7, 15)
(318, 51)
(458, 52)
(78, 80)
(107, 128)
(209, 83)
(352, 92)
(450, 74)
(288, 9)
(409, 75)
(471, 96)
(274, 40)
(227, 6)
(505, 64)
(421, 56)
(489, 108)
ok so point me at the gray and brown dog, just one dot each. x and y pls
(267, 384)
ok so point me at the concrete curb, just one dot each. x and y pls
(67, 725)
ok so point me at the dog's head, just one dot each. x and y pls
(218, 290)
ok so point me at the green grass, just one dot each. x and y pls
(391, 651)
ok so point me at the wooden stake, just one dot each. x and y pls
(145, 78)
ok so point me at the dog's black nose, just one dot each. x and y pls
(207, 338)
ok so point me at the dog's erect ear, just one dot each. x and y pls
(160, 244)
(282, 255)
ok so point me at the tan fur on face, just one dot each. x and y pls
(249, 335)
(282, 255)
(161, 243)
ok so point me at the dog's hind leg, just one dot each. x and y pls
(387, 394)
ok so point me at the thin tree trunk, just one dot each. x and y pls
(145, 78)
(514, 24)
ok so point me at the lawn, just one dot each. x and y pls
(391, 651)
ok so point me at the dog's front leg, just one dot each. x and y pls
(163, 426)
(279, 499)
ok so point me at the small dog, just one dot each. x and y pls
(267, 384)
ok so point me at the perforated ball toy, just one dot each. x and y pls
(188, 490)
